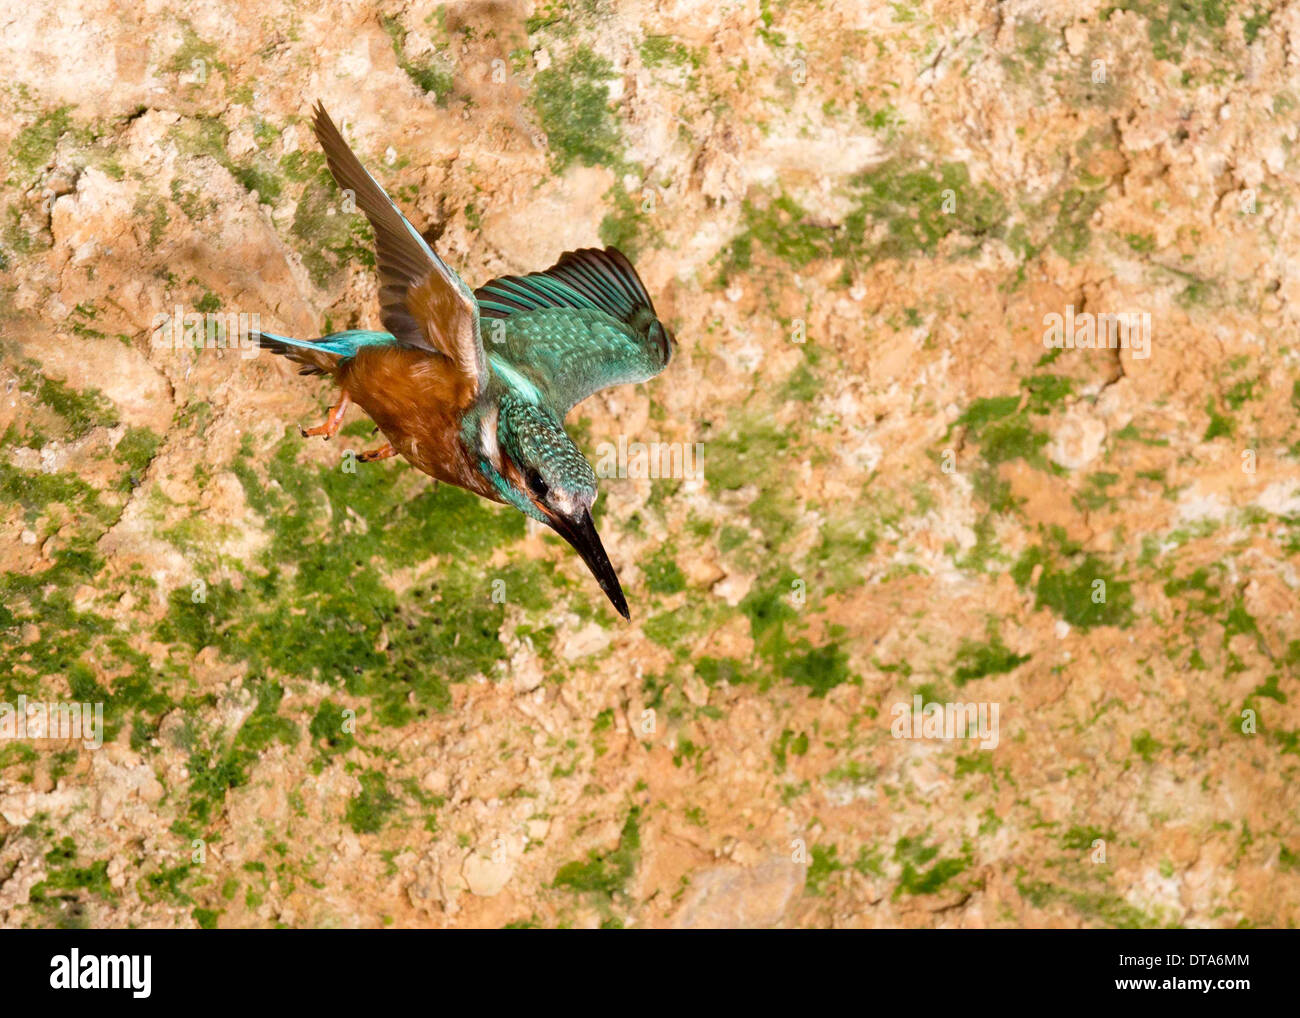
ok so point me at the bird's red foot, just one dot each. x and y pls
(382, 453)
(332, 423)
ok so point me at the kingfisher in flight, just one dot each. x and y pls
(486, 416)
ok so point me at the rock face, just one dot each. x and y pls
(486, 877)
(731, 897)
(981, 610)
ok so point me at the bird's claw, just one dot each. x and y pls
(332, 423)
(373, 455)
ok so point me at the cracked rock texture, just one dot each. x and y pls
(337, 695)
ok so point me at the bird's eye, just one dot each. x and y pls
(539, 487)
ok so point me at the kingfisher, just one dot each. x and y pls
(486, 416)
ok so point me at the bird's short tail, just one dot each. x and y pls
(322, 356)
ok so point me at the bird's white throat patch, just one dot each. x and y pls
(566, 503)
(487, 438)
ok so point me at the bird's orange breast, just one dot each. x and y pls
(417, 399)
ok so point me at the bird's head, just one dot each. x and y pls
(534, 465)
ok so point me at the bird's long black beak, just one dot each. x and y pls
(581, 533)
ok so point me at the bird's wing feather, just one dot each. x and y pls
(582, 325)
(424, 303)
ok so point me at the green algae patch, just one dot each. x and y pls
(976, 660)
(850, 536)
(900, 209)
(82, 410)
(208, 136)
(33, 147)
(745, 454)
(788, 745)
(562, 17)
(215, 769)
(1072, 214)
(1081, 839)
(62, 898)
(923, 872)
(822, 867)
(321, 605)
(1037, 43)
(664, 50)
(1095, 493)
(662, 574)
(785, 655)
(1076, 586)
(1173, 25)
(1145, 745)
(630, 225)
(36, 491)
(783, 229)
(1220, 425)
(135, 451)
(819, 669)
(433, 76)
(166, 884)
(1003, 430)
(605, 874)
(370, 809)
(329, 730)
(1075, 596)
(621, 228)
(327, 238)
(974, 763)
(918, 206)
(571, 99)
(751, 453)
(260, 180)
(194, 53)
(1099, 907)
(713, 670)
(73, 645)
(265, 725)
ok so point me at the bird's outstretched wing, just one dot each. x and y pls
(423, 302)
(582, 325)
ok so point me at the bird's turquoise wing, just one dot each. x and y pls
(582, 325)
(570, 353)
